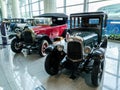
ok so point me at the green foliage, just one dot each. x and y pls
(114, 37)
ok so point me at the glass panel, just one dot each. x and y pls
(27, 8)
(23, 9)
(94, 0)
(36, 13)
(35, 6)
(43, 21)
(26, 1)
(42, 11)
(72, 2)
(60, 10)
(60, 3)
(74, 9)
(34, 1)
(101, 4)
(41, 5)
(94, 21)
(23, 14)
(27, 15)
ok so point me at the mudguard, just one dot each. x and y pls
(58, 55)
(43, 37)
(13, 35)
(98, 54)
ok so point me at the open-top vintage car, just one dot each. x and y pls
(85, 49)
(46, 28)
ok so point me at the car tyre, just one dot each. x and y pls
(43, 45)
(96, 74)
(15, 46)
(50, 67)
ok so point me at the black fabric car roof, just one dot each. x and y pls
(53, 15)
(89, 14)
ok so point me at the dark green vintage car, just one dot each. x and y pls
(85, 49)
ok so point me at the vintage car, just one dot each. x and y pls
(45, 30)
(50, 24)
(84, 49)
(17, 24)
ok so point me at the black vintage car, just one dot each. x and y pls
(85, 49)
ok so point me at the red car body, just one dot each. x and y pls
(51, 31)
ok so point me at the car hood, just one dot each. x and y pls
(38, 29)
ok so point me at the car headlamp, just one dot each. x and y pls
(60, 47)
(87, 49)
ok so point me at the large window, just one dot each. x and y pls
(60, 10)
(34, 1)
(27, 1)
(31, 8)
(73, 2)
(111, 7)
(69, 6)
(41, 5)
(60, 3)
(74, 9)
(35, 7)
(27, 8)
(94, 0)
(35, 13)
(101, 3)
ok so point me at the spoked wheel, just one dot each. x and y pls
(96, 74)
(51, 65)
(43, 45)
(16, 46)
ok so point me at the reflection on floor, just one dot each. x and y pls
(26, 72)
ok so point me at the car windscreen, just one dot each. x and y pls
(42, 21)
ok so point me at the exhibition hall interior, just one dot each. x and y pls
(59, 45)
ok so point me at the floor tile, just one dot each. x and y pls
(18, 70)
(110, 81)
(111, 66)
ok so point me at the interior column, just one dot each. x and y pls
(50, 6)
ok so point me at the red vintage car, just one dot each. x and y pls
(51, 24)
(43, 31)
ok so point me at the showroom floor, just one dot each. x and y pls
(26, 72)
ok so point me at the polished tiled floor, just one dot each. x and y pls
(26, 72)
